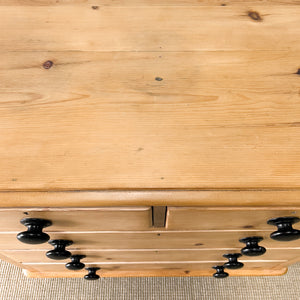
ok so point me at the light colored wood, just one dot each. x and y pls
(158, 273)
(149, 240)
(13, 261)
(98, 4)
(76, 219)
(133, 132)
(139, 256)
(187, 267)
(286, 199)
(195, 218)
(149, 28)
(247, 90)
(146, 96)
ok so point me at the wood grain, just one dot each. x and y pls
(159, 273)
(175, 255)
(97, 3)
(59, 267)
(150, 28)
(75, 219)
(270, 158)
(234, 199)
(216, 120)
(149, 240)
(144, 95)
(195, 218)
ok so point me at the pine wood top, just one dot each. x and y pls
(147, 95)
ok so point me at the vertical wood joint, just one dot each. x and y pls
(159, 214)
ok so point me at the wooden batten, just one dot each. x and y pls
(227, 199)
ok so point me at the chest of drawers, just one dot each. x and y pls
(153, 240)
(152, 136)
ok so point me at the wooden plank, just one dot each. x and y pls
(150, 28)
(255, 88)
(96, 3)
(158, 273)
(194, 218)
(59, 267)
(75, 219)
(268, 159)
(149, 240)
(234, 199)
(163, 255)
(185, 218)
(124, 129)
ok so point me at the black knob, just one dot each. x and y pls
(252, 248)
(59, 251)
(75, 263)
(220, 272)
(34, 233)
(233, 262)
(285, 231)
(92, 274)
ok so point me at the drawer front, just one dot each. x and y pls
(255, 265)
(195, 218)
(179, 255)
(78, 219)
(151, 240)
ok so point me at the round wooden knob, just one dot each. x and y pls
(285, 231)
(92, 274)
(75, 263)
(59, 251)
(252, 248)
(34, 233)
(220, 272)
(233, 262)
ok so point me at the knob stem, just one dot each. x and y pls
(233, 262)
(220, 272)
(285, 231)
(34, 233)
(75, 263)
(92, 274)
(59, 252)
(252, 248)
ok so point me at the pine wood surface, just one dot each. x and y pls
(124, 3)
(268, 271)
(234, 199)
(149, 240)
(142, 218)
(204, 267)
(179, 96)
(134, 139)
(76, 219)
(105, 257)
(182, 102)
(150, 28)
(195, 218)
